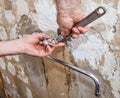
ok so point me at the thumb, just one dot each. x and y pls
(65, 32)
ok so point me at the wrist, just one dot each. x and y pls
(69, 13)
(11, 47)
(20, 46)
(67, 7)
(16, 46)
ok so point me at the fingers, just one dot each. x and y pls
(49, 49)
(60, 44)
(83, 30)
(78, 30)
(65, 32)
(40, 36)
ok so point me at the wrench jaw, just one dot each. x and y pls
(56, 39)
(48, 42)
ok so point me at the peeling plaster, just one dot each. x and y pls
(10, 17)
(29, 93)
(22, 7)
(2, 64)
(91, 50)
(34, 77)
(21, 75)
(7, 79)
(118, 10)
(0, 16)
(46, 15)
(13, 34)
(15, 57)
(3, 34)
(11, 68)
(13, 93)
(110, 20)
(8, 4)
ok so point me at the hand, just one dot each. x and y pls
(68, 13)
(33, 47)
(66, 23)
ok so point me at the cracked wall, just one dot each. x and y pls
(98, 51)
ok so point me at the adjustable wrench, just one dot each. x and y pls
(97, 13)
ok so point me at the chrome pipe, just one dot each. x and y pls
(82, 71)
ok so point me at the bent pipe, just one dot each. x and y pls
(90, 75)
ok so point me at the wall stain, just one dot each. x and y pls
(8, 4)
(3, 93)
(45, 72)
(102, 61)
(27, 26)
(106, 89)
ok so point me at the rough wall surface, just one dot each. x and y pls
(98, 51)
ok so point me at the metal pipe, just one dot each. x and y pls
(90, 75)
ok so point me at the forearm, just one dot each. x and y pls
(67, 7)
(11, 47)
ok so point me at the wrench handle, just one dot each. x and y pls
(100, 11)
(97, 13)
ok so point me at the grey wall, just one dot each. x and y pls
(98, 51)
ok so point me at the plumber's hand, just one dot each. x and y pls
(68, 13)
(66, 23)
(33, 47)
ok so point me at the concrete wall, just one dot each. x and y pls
(98, 51)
